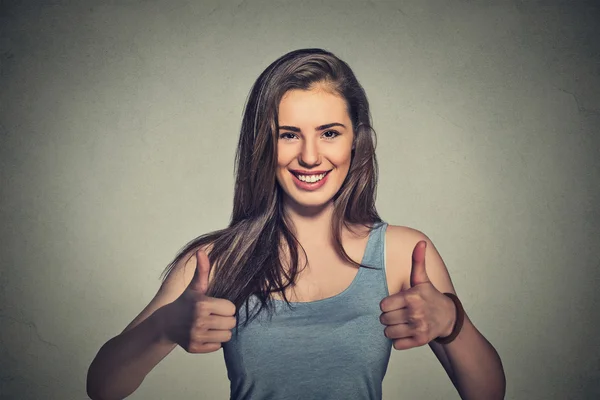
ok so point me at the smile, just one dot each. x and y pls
(311, 180)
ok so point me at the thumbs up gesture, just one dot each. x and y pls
(197, 322)
(416, 316)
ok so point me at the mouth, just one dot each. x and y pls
(309, 177)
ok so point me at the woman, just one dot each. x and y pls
(307, 290)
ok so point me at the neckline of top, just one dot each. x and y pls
(375, 227)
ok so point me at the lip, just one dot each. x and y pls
(309, 186)
(304, 172)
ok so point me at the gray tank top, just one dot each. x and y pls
(327, 349)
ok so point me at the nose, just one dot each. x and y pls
(310, 155)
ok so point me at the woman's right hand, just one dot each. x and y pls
(196, 322)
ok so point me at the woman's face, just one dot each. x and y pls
(314, 146)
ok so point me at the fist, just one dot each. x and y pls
(416, 316)
(199, 323)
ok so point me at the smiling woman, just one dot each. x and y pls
(313, 154)
(307, 290)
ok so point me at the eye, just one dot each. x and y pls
(287, 136)
(330, 134)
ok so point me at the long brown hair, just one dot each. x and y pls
(247, 255)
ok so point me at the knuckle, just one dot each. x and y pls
(414, 299)
(421, 339)
(202, 307)
(193, 347)
(417, 317)
(202, 324)
(225, 307)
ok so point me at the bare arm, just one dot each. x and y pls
(471, 362)
(124, 361)
(477, 371)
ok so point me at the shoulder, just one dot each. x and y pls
(404, 234)
(181, 273)
(400, 244)
(177, 279)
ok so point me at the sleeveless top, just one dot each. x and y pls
(332, 348)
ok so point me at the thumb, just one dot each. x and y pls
(199, 282)
(418, 274)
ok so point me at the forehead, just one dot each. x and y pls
(315, 106)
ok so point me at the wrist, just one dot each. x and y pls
(159, 320)
(452, 318)
(459, 316)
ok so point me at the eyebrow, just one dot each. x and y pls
(318, 128)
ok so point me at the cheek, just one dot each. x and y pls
(343, 157)
(286, 155)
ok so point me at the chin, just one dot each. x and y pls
(307, 208)
(315, 199)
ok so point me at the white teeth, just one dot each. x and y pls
(311, 178)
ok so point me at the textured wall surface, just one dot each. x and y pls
(118, 125)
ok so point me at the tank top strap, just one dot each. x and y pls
(374, 275)
(374, 253)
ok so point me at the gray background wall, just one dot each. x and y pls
(118, 124)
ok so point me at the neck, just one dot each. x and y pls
(310, 225)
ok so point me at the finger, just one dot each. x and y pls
(418, 274)
(222, 307)
(214, 336)
(407, 343)
(196, 348)
(398, 331)
(393, 302)
(394, 317)
(210, 347)
(218, 323)
(199, 282)
(205, 306)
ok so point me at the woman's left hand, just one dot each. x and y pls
(416, 316)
